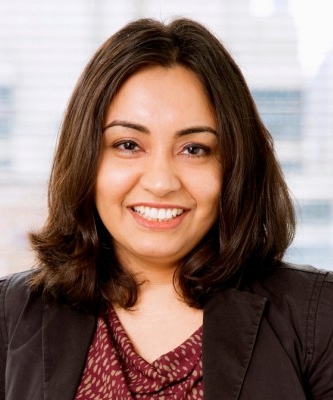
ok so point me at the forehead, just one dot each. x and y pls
(162, 91)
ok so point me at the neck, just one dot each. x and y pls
(156, 286)
(160, 320)
(159, 297)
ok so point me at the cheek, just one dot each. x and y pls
(213, 198)
(206, 188)
(113, 182)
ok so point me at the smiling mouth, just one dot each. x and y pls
(158, 214)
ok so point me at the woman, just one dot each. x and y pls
(160, 269)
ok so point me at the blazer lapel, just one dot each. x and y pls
(231, 322)
(67, 335)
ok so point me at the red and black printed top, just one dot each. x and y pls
(114, 370)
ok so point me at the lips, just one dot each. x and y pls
(158, 214)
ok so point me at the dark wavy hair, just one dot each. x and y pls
(76, 261)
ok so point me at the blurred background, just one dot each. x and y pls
(284, 47)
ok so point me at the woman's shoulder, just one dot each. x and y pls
(302, 270)
(300, 312)
(297, 289)
(15, 294)
(294, 281)
(15, 286)
(16, 277)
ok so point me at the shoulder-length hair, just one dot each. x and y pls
(76, 262)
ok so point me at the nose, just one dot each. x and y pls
(160, 176)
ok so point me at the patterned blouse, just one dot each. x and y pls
(114, 370)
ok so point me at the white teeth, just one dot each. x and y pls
(161, 214)
(153, 212)
(174, 212)
(169, 214)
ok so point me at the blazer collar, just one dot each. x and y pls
(231, 323)
(66, 335)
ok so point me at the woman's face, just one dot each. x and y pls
(159, 177)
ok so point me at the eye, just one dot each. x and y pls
(126, 145)
(196, 150)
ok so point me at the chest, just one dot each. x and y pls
(155, 334)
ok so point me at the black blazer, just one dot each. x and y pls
(270, 341)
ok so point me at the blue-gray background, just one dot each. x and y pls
(283, 47)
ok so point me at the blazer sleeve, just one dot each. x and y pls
(3, 339)
(320, 341)
(13, 295)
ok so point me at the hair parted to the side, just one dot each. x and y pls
(256, 222)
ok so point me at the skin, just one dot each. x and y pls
(147, 160)
(159, 151)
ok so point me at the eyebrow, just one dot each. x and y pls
(145, 130)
